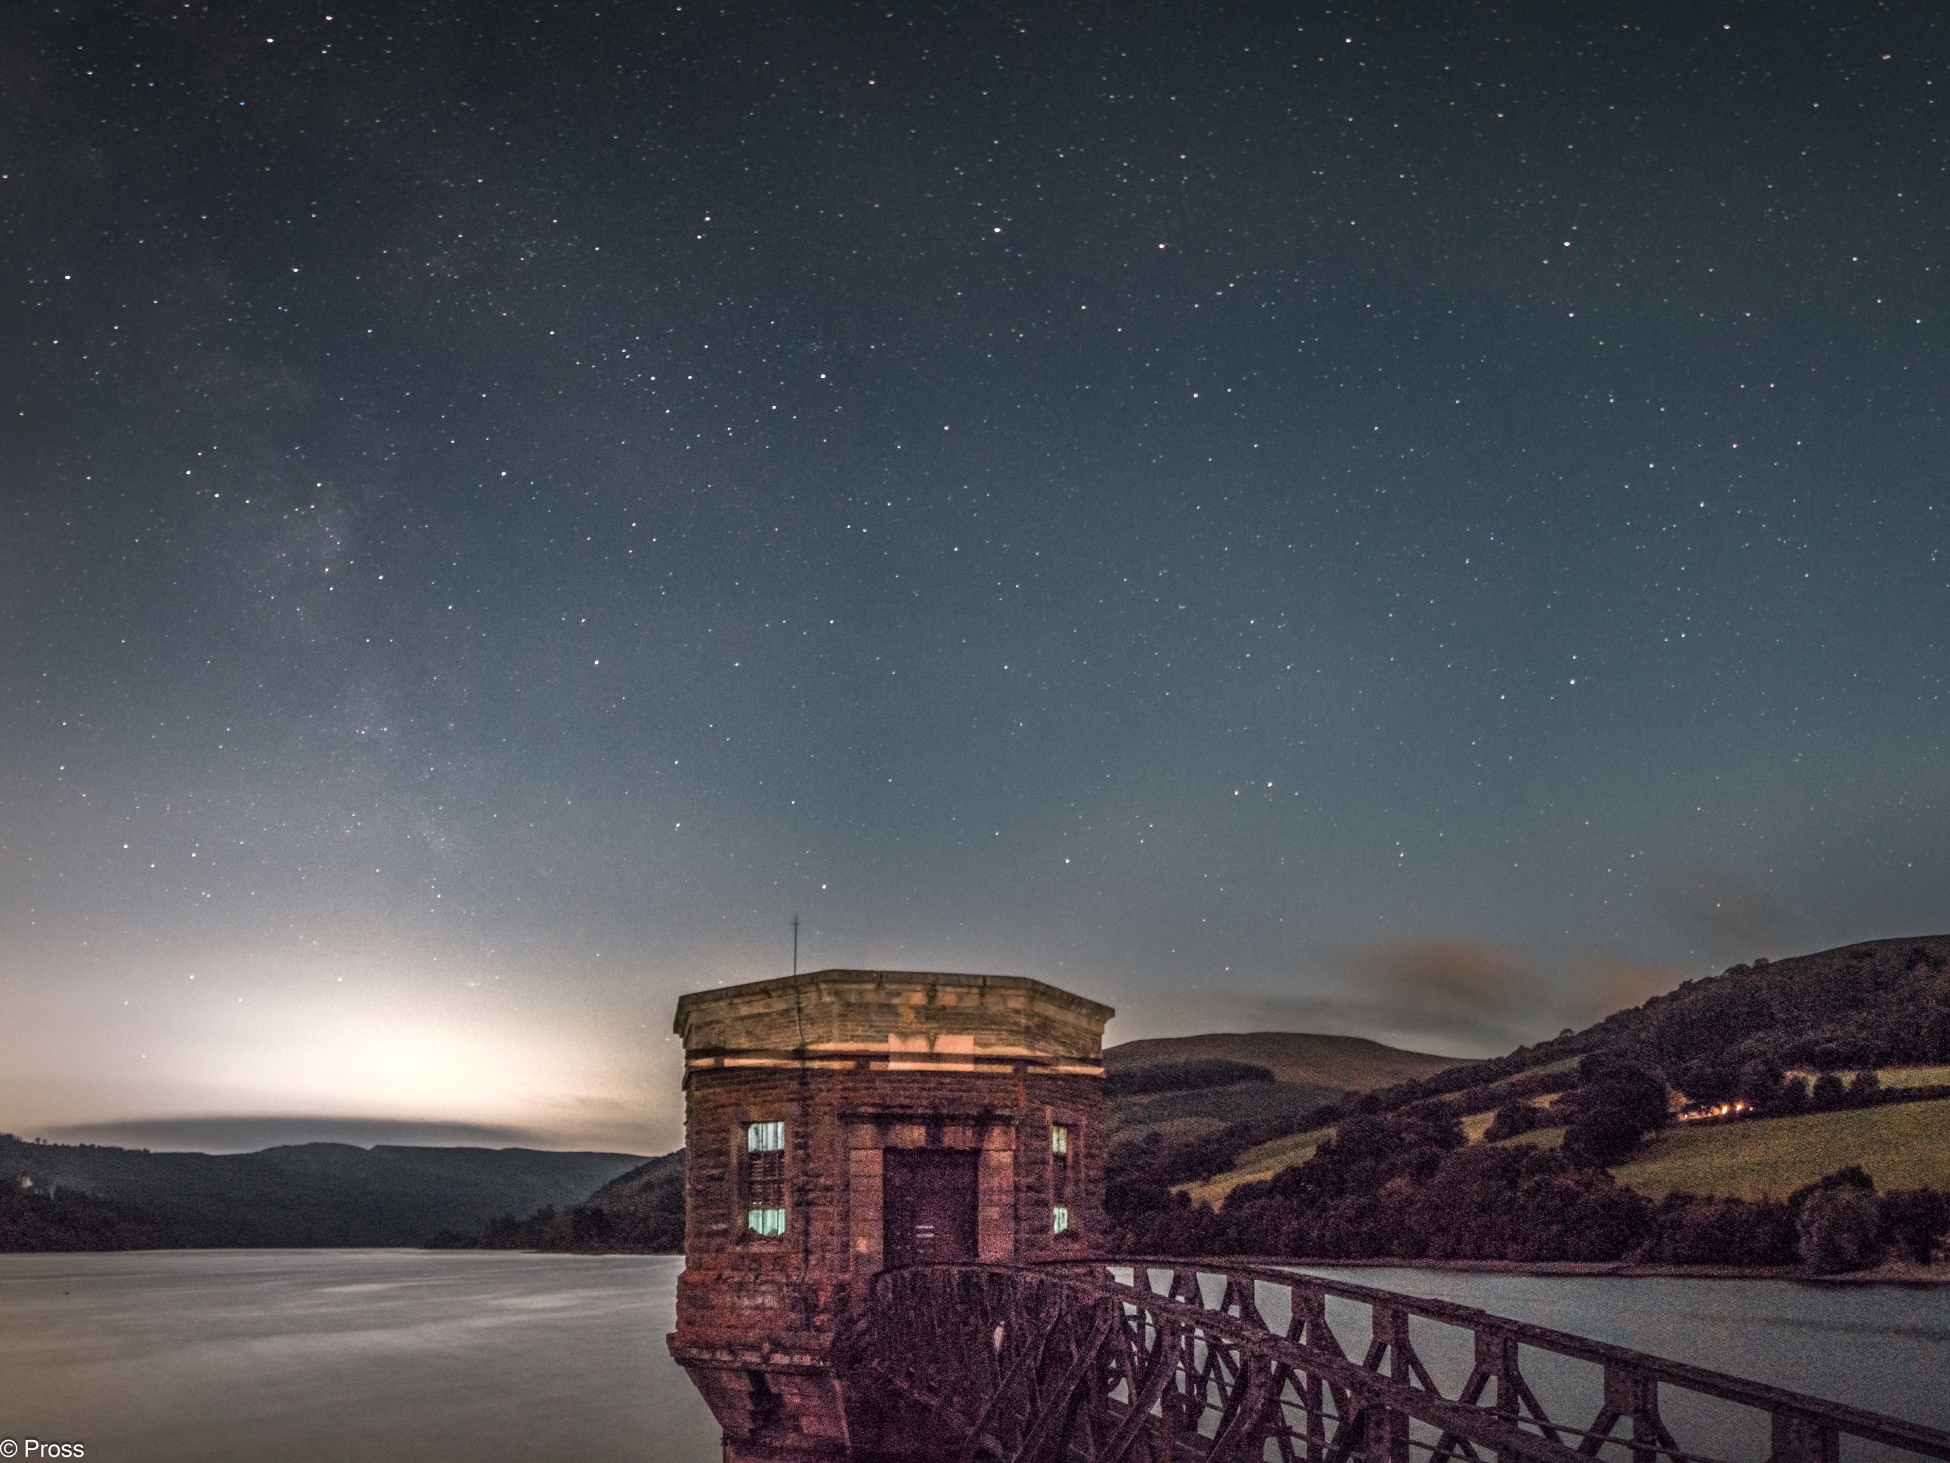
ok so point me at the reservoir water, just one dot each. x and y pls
(303, 1356)
(411, 1357)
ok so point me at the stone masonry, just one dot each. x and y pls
(979, 1071)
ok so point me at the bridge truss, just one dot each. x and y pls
(1164, 1361)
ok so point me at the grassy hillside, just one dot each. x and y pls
(1915, 1077)
(316, 1194)
(1258, 1163)
(1345, 1063)
(1904, 1146)
(1402, 1180)
(1181, 1115)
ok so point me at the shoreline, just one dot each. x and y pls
(1895, 1272)
(1900, 1272)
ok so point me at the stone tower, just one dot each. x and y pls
(846, 1121)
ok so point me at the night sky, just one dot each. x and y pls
(1422, 521)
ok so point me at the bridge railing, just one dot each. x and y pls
(1164, 1360)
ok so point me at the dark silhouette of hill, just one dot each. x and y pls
(1125, 1080)
(639, 1213)
(1343, 1063)
(32, 1218)
(311, 1194)
(1878, 1003)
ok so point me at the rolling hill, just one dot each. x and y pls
(312, 1194)
(1308, 1071)
(1761, 1030)
(637, 1213)
(1341, 1063)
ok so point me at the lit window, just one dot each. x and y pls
(764, 1177)
(1059, 1138)
(1059, 1219)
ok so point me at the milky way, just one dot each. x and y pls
(1416, 520)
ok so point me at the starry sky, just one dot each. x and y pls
(1424, 521)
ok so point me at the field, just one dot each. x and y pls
(1258, 1163)
(1214, 1107)
(1903, 1146)
(1915, 1076)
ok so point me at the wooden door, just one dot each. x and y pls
(928, 1205)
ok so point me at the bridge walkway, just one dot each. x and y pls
(1140, 1360)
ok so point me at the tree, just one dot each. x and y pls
(1829, 1093)
(1512, 1119)
(1760, 1081)
(1707, 1080)
(1618, 1102)
(1838, 1229)
(1915, 1221)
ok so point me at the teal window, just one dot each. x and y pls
(1062, 1183)
(765, 1178)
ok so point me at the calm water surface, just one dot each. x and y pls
(302, 1355)
(410, 1357)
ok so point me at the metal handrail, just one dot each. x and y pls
(928, 1335)
(1854, 1421)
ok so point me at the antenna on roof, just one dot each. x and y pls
(795, 944)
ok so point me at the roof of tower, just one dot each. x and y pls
(905, 1017)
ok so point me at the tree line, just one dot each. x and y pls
(1408, 1185)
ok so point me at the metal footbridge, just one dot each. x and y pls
(1167, 1361)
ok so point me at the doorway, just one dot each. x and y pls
(928, 1205)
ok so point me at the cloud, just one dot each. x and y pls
(237, 1133)
(1446, 981)
(1725, 913)
(1465, 991)
(1463, 997)
(1606, 986)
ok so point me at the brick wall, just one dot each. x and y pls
(786, 1291)
(856, 1063)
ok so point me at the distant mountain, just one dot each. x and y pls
(311, 1194)
(637, 1213)
(1343, 1063)
(1177, 1089)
